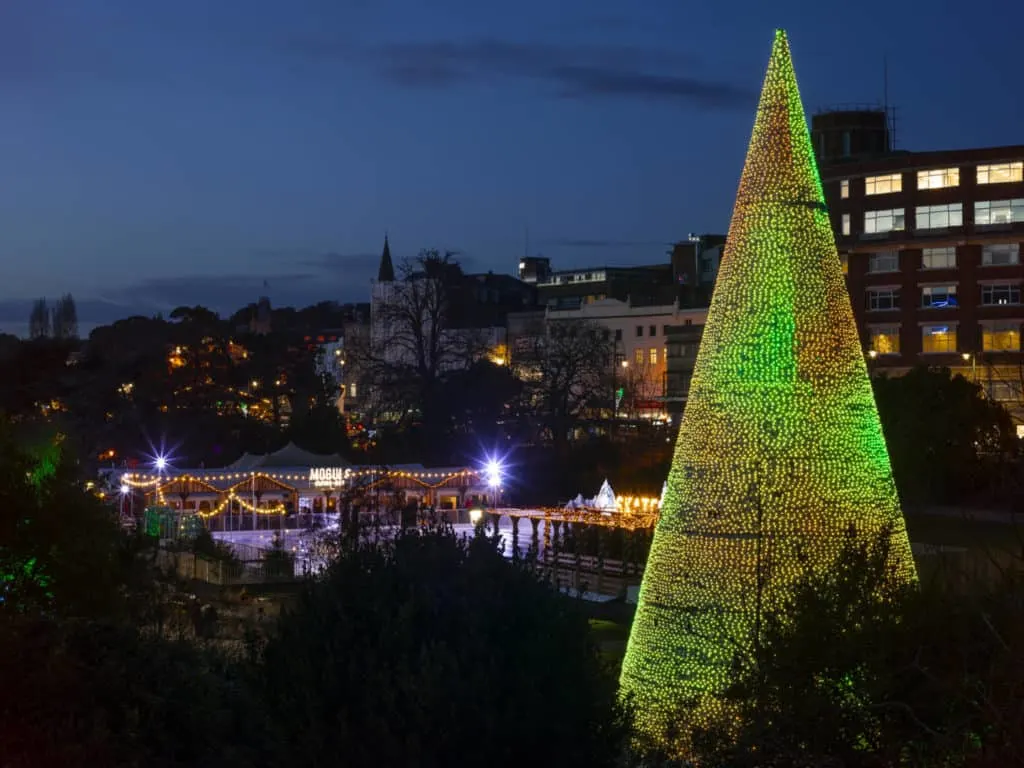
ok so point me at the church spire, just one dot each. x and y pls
(386, 273)
(780, 451)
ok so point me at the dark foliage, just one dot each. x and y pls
(946, 440)
(866, 671)
(96, 694)
(435, 652)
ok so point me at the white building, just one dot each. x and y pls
(637, 334)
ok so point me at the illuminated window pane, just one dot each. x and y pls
(938, 178)
(844, 188)
(883, 185)
(876, 222)
(939, 216)
(998, 212)
(885, 339)
(938, 339)
(938, 258)
(938, 297)
(1001, 336)
(846, 224)
(638, 356)
(844, 262)
(1001, 173)
(654, 355)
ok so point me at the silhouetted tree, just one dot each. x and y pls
(565, 374)
(413, 348)
(64, 324)
(39, 320)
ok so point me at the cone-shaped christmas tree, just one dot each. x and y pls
(780, 450)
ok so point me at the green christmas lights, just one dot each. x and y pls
(780, 449)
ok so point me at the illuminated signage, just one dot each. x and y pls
(328, 477)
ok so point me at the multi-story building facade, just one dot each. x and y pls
(636, 334)
(681, 345)
(930, 244)
(687, 276)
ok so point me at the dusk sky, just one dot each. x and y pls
(160, 153)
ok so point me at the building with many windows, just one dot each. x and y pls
(930, 243)
(636, 333)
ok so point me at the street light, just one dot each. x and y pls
(974, 365)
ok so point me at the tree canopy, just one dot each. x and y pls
(433, 652)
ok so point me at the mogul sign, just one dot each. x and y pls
(328, 477)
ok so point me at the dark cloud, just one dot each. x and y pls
(575, 71)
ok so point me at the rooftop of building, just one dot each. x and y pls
(897, 160)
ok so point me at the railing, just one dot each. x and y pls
(186, 565)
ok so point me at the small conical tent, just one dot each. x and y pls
(605, 499)
(780, 449)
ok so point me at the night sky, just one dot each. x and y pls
(158, 153)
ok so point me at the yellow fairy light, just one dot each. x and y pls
(780, 449)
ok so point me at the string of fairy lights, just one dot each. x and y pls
(780, 448)
(140, 480)
(161, 485)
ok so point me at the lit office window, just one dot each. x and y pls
(938, 258)
(846, 224)
(885, 339)
(998, 211)
(892, 220)
(939, 216)
(1001, 173)
(938, 339)
(883, 185)
(654, 355)
(938, 297)
(844, 188)
(1001, 336)
(938, 178)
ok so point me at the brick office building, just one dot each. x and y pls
(930, 243)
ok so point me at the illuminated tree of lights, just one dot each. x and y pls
(780, 449)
